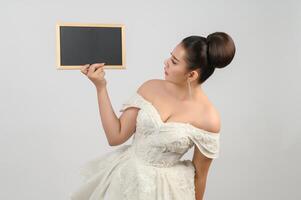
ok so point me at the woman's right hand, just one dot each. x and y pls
(95, 73)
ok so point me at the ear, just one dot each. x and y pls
(193, 75)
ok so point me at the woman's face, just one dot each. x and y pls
(176, 67)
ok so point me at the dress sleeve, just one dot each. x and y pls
(208, 143)
(134, 101)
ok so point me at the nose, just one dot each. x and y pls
(165, 63)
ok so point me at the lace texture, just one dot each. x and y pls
(208, 144)
(151, 167)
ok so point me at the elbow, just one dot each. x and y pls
(114, 142)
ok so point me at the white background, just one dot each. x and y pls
(50, 123)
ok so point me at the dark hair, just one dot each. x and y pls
(215, 51)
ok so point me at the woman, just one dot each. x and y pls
(166, 118)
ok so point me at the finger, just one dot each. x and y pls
(101, 73)
(99, 69)
(84, 69)
(94, 67)
(91, 70)
(84, 72)
(84, 66)
(98, 65)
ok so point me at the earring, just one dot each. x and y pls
(189, 89)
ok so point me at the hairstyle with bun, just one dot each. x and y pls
(215, 51)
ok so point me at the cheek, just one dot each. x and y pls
(174, 72)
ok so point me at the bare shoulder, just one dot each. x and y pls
(148, 87)
(213, 119)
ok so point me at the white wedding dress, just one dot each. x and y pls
(151, 167)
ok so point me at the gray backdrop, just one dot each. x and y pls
(50, 123)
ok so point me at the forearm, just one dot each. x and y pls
(109, 120)
(200, 185)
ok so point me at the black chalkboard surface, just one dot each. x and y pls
(79, 44)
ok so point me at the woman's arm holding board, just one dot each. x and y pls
(109, 120)
(117, 130)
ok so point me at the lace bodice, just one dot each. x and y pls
(150, 168)
(162, 144)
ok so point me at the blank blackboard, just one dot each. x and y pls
(79, 44)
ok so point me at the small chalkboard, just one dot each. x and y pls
(79, 44)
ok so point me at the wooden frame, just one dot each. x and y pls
(107, 66)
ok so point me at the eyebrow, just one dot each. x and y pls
(174, 57)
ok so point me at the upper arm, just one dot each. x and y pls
(128, 118)
(201, 163)
(127, 124)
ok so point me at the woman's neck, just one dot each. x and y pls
(181, 91)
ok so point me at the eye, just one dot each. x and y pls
(172, 59)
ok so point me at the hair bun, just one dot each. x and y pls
(220, 49)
